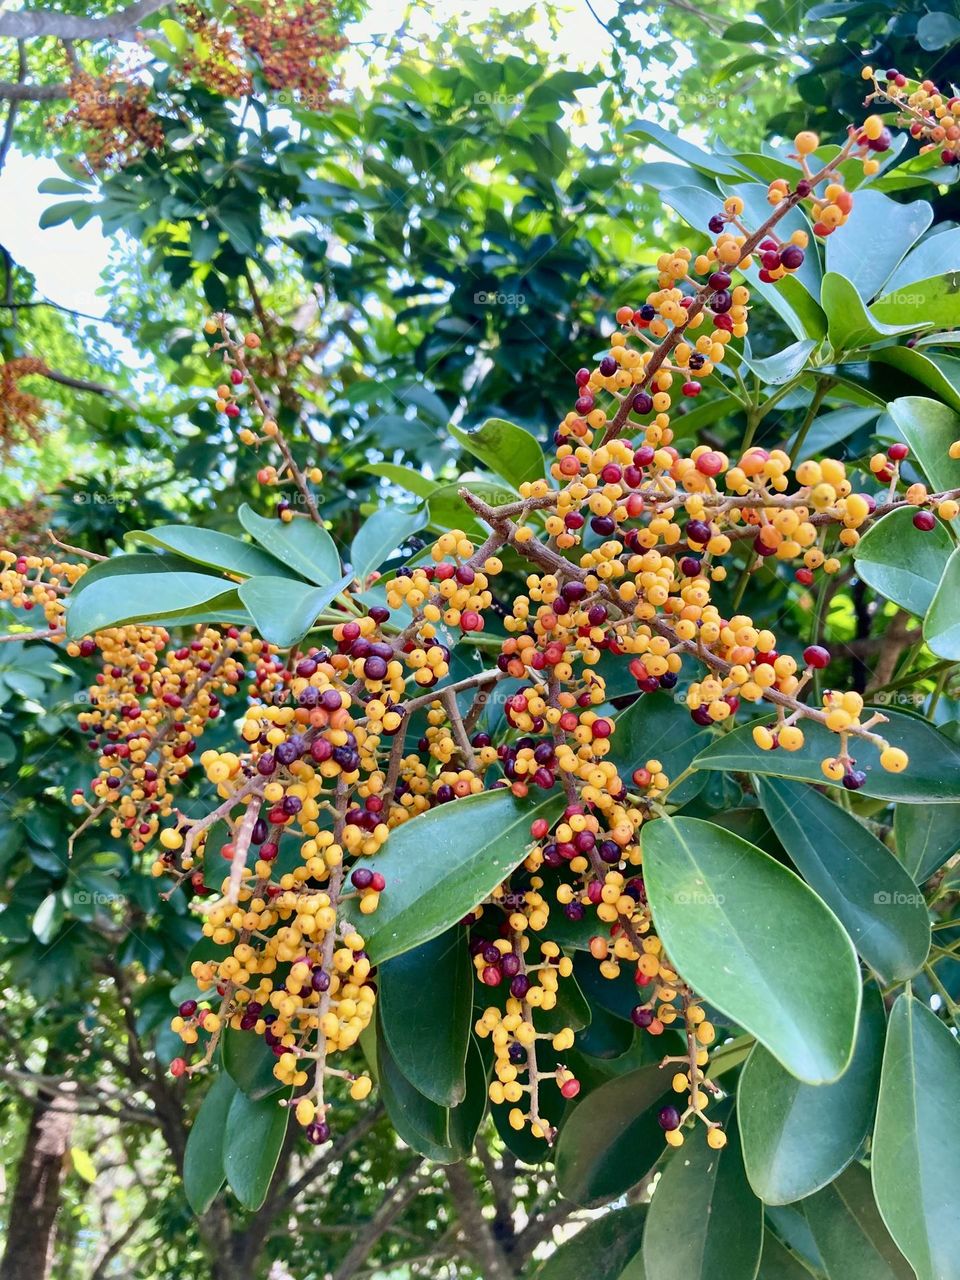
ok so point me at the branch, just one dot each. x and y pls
(332, 1155)
(475, 1229)
(406, 1188)
(14, 91)
(28, 24)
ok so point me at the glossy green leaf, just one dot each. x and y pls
(921, 303)
(48, 918)
(380, 535)
(657, 727)
(207, 547)
(407, 478)
(903, 563)
(935, 254)
(797, 1137)
(506, 449)
(433, 979)
(789, 973)
(933, 775)
(926, 836)
(301, 545)
(611, 1139)
(443, 1134)
(249, 1061)
(941, 374)
(203, 1173)
(941, 626)
(889, 227)
(782, 367)
(252, 1138)
(449, 511)
(849, 323)
(599, 1250)
(849, 1233)
(929, 428)
(441, 864)
(157, 597)
(721, 1230)
(855, 874)
(778, 1263)
(916, 1142)
(705, 161)
(283, 611)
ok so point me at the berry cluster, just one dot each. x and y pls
(113, 113)
(932, 118)
(20, 411)
(626, 554)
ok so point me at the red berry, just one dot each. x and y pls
(539, 828)
(570, 1088)
(816, 656)
(691, 388)
(925, 521)
(710, 463)
(178, 1066)
(897, 452)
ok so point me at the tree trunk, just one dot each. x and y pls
(31, 1228)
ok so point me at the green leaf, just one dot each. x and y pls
(249, 1061)
(778, 1263)
(782, 367)
(789, 973)
(405, 478)
(934, 255)
(441, 864)
(936, 30)
(612, 1139)
(916, 1142)
(175, 34)
(941, 374)
(203, 1174)
(903, 563)
(722, 1229)
(48, 918)
(889, 227)
(506, 449)
(926, 836)
(657, 727)
(679, 149)
(849, 1233)
(933, 775)
(83, 1164)
(929, 428)
(941, 626)
(380, 534)
(154, 598)
(283, 610)
(66, 211)
(437, 976)
(205, 546)
(600, 1250)
(855, 874)
(922, 303)
(252, 1138)
(444, 1134)
(301, 545)
(849, 323)
(798, 1137)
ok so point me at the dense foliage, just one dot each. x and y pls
(401, 859)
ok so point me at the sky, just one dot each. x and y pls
(68, 262)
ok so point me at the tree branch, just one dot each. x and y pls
(28, 24)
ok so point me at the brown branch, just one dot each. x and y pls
(475, 1229)
(406, 1188)
(29, 24)
(14, 91)
(334, 1153)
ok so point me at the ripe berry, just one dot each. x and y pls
(668, 1118)
(815, 655)
(897, 452)
(854, 779)
(710, 463)
(178, 1066)
(925, 521)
